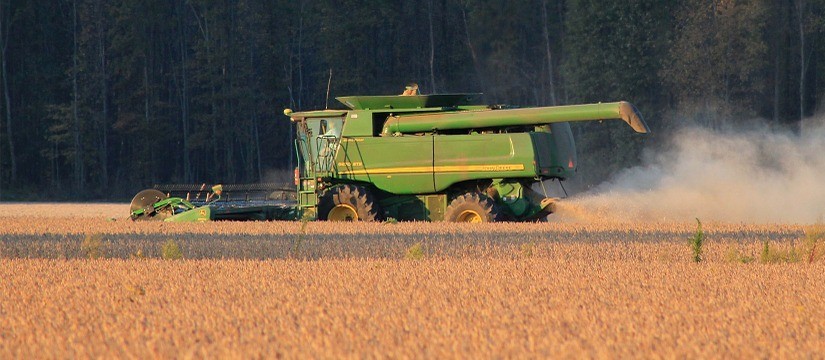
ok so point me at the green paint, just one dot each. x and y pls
(515, 117)
(203, 213)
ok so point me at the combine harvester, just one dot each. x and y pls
(421, 157)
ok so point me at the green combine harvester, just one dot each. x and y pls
(420, 157)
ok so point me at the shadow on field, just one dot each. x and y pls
(598, 245)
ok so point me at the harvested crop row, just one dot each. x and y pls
(388, 246)
(35, 225)
(67, 239)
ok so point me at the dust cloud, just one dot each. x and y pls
(745, 175)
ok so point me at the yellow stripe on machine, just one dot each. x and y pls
(437, 169)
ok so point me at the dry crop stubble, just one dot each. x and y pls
(64, 210)
(591, 289)
(427, 308)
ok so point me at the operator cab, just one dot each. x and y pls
(318, 135)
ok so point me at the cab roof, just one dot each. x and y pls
(317, 114)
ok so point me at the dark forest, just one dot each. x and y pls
(102, 98)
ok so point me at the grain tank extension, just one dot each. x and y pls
(433, 158)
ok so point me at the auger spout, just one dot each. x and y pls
(488, 118)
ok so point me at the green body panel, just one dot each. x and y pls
(415, 207)
(460, 158)
(172, 204)
(425, 164)
(203, 213)
(214, 212)
(356, 124)
(514, 117)
(398, 165)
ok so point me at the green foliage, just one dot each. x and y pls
(696, 242)
(730, 36)
(415, 252)
(734, 255)
(771, 254)
(299, 239)
(810, 250)
(93, 246)
(814, 242)
(138, 255)
(527, 249)
(171, 251)
(614, 50)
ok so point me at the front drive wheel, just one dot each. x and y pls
(472, 208)
(348, 203)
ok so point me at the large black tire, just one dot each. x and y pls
(472, 207)
(348, 203)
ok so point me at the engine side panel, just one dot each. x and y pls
(399, 165)
(482, 156)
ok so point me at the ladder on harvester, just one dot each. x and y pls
(318, 160)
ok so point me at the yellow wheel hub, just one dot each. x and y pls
(343, 212)
(469, 216)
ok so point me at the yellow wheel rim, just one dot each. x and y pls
(343, 212)
(469, 216)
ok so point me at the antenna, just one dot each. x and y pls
(329, 82)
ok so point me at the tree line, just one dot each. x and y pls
(102, 98)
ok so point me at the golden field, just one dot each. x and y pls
(409, 290)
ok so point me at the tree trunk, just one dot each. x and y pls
(229, 98)
(79, 172)
(546, 34)
(800, 10)
(147, 115)
(213, 106)
(300, 58)
(776, 89)
(256, 143)
(184, 100)
(4, 36)
(432, 50)
(473, 56)
(104, 99)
